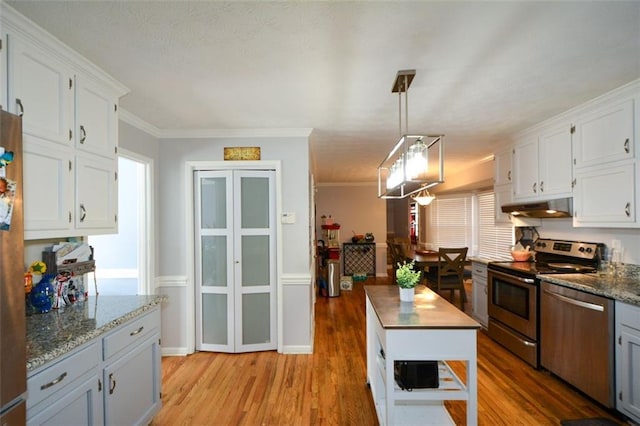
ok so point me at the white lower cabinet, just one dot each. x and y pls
(479, 291)
(115, 379)
(628, 360)
(132, 394)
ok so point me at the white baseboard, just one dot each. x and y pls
(174, 351)
(293, 349)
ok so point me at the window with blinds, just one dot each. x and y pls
(494, 239)
(449, 222)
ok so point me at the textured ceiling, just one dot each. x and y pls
(484, 69)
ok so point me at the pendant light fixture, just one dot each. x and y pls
(424, 198)
(416, 162)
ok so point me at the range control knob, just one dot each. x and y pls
(589, 250)
(581, 249)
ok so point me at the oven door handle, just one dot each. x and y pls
(513, 277)
(580, 303)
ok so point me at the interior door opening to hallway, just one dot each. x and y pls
(235, 262)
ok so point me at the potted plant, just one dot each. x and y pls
(407, 280)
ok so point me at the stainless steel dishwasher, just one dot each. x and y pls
(577, 340)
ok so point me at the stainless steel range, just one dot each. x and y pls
(514, 292)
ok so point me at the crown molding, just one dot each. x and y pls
(158, 133)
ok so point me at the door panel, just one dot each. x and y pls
(235, 256)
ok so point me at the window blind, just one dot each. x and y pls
(449, 222)
(494, 239)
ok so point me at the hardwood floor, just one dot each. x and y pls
(329, 386)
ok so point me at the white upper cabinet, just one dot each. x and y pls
(605, 135)
(605, 196)
(96, 119)
(502, 167)
(554, 164)
(40, 90)
(502, 186)
(542, 164)
(70, 132)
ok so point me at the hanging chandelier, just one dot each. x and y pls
(424, 198)
(416, 162)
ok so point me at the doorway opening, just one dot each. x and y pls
(124, 260)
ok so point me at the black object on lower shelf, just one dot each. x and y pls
(416, 374)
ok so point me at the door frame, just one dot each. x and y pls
(190, 168)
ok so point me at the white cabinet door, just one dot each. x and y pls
(40, 89)
(96, 194)
(132, 386)
(605, 196)
(80, 405)
(605, 135)
(502, 167)
(48, 189)
(96, 119)
(525, 169)
(628, 360)
(554, 161)
(503, 195)
(479, 289)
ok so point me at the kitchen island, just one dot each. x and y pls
(430, 329)
(95, 362)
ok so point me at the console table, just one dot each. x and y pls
(430, 329)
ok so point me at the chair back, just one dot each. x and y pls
(451, 262)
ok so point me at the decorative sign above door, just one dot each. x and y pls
(242, 153)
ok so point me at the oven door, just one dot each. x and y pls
(513, 302)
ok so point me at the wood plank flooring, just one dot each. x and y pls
(329, 386)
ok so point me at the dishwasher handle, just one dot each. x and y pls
(580, 303)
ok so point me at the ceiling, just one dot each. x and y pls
(484, 70)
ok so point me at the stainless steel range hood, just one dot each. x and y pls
(562, 207)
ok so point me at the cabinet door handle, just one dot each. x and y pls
(626, 145)
(19, 103)
(573, 183)
(627, 209)
(138, 331)
(83, 134)
(54, 381)
(83, 213)
(509, 175)
(535, 190)
(99, 385)
(69, 217)
(112, 384)
(542, 186)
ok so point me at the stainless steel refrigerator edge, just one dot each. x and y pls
(13, 366)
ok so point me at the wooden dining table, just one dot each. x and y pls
(427, 258)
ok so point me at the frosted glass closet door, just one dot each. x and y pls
(235, 256)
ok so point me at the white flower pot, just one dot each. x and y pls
(407, 294)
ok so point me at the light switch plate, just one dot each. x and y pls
(288, 217)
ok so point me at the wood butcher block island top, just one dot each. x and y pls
(429, 310)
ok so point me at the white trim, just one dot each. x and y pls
(169, 281)
(297, 349)
(139, 123)
(235, 133)
(146, 244)
(189, 168)
(135, 121)
(177, 351)
(296, 279)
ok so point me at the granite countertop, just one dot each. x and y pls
(624, 288)
(484, 260)
(428, 310)
(59, 331)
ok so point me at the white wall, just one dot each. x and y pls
(357, 208)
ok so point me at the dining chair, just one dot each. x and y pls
(397, 256)
(450, 273)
